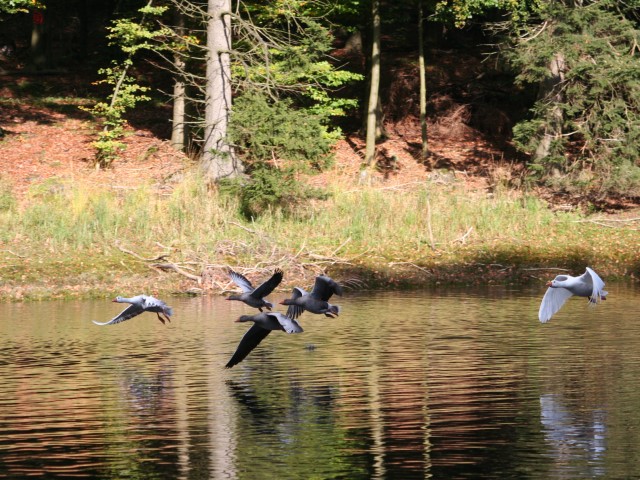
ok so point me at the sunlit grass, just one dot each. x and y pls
(414, 223)
(74, 231)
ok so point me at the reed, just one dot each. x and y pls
(414, 222)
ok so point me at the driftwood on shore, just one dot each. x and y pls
(301, 267)
(613, 222)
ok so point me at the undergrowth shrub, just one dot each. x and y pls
(127, 93)
(593, 113)
(266, 131)
(270, 188)
(276, 141)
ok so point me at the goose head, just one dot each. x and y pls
(558, 282)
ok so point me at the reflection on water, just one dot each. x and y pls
(571, 437)
(437, 384)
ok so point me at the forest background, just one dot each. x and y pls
(149, 145)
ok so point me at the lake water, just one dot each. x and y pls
(443, 384)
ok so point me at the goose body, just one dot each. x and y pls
(263, 324)
(254, 297)
(138, 305)
(561, 288)
(317, 301)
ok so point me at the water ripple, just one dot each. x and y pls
(434, 384)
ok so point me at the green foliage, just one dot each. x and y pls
(319, 77)
(127, 93)
(600, 99)
(264, 130)
(108, 146)
(276, 141)
(270, 189)
(459, 12)
(286, 101)
(297, 65)
(16, 6)
(131, 36)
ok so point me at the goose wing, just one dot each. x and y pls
(552, 301)
(289, 325)
(294, 311)
(598, 291)
(241, 281)
(267, 287)
(325, 287)
(153, 302)
(131, 311)
(249, 341)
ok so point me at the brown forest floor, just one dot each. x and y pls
(40, 142)
(43, 141)
(45, 137)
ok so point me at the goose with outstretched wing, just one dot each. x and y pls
(561, 288)
(263, 324)
(138, 305)
(316, 301)
(255, 297)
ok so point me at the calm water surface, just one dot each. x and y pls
(441, 384)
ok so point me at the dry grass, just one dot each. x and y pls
(82, 241)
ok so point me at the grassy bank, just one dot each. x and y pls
(75, 240)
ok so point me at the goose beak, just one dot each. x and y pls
(548, 284)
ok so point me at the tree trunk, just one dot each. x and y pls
(218, 159)
(423, 84)
(178, 129)
(553, 128)
(38, 52)
(374, 88)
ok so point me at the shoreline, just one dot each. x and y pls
(401, 276)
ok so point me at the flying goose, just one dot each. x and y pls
(139, 304)
(263, 324)
(255, 297)
(589, 285)
(315, 302)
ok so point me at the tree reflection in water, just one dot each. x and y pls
(573, 437)
(438, 384)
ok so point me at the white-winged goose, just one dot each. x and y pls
(589, 285)
(139, 304)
